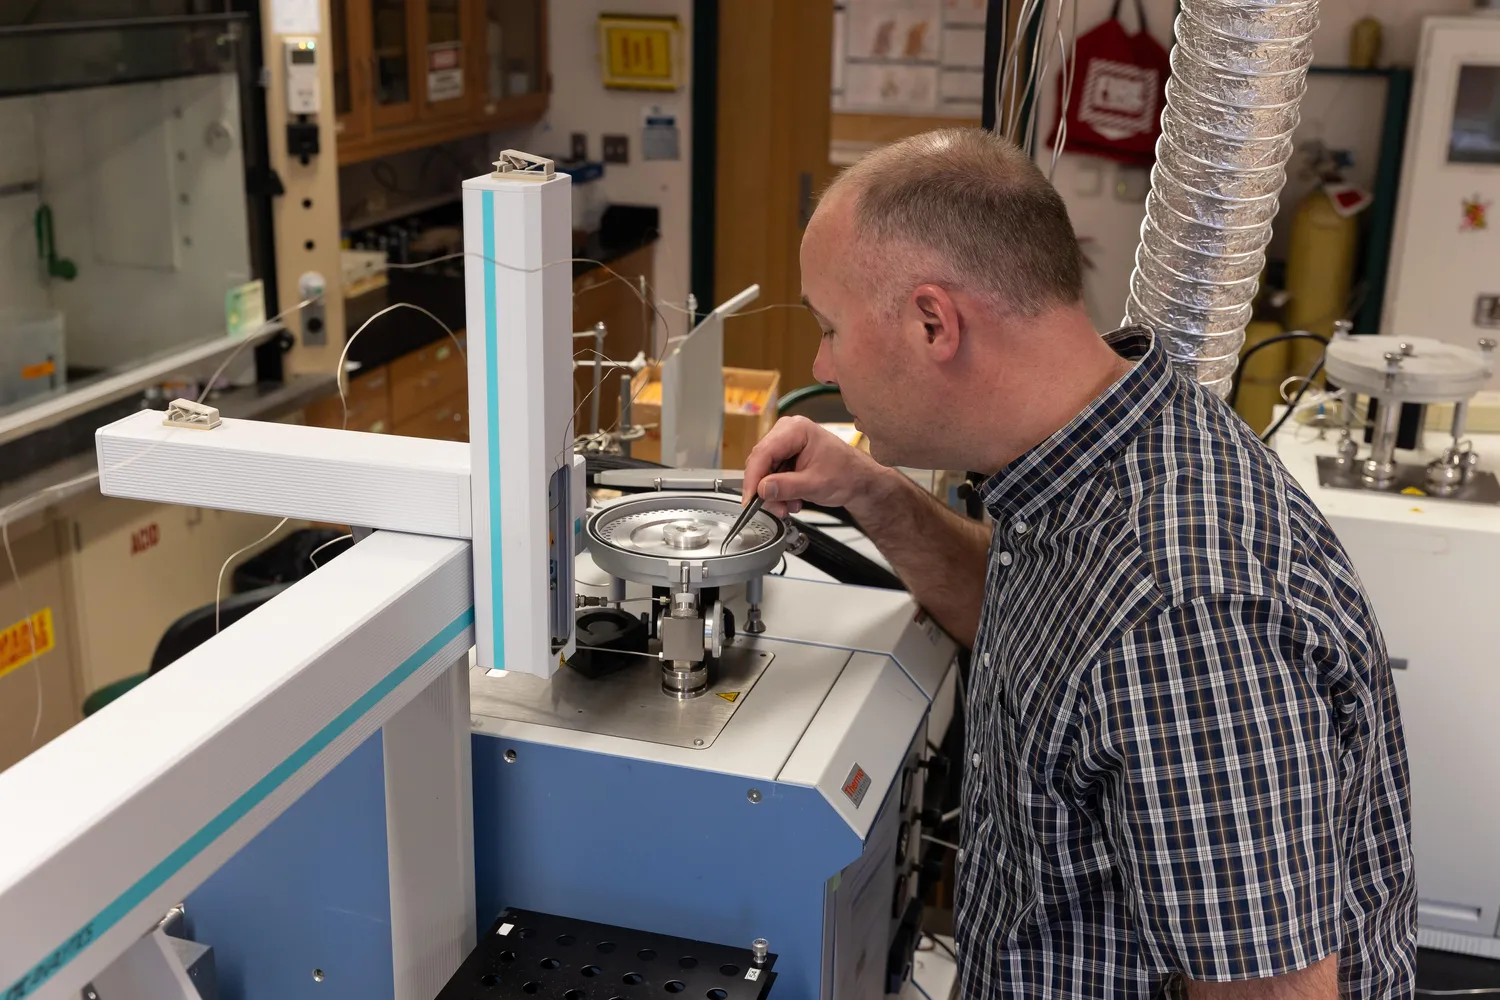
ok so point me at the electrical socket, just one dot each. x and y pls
(616, 148)
(580, 146)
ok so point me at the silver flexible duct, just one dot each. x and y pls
(1239, 71)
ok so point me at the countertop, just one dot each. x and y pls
(77, 474)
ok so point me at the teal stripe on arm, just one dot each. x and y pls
(492, 433)
(232, 814)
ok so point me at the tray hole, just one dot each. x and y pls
(646, 955)
(717, 994)
(730, 970)
(489, 979)
(632, 979)
(606, 947)
(566, 939)
(687, 962)
(550, 963)
(531, 987)
(675, 987)
(590, 971)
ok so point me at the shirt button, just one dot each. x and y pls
(976, 760)
(1020, 527)
(961, 855)
(1005, 559)
(985, 659)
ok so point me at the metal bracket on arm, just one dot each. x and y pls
(516, 165)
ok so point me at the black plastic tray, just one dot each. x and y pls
(528, 954)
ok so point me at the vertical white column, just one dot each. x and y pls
(518, 288)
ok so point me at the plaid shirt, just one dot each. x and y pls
(1186, 756)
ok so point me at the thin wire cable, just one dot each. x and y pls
(219, 587)
(1060, 141)
(942, 944)
(343, 375)
(1476, 991)
(941, 843)
(312, 556)
(918, 987)
(951, 815)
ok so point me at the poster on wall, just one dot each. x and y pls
(639, 53)
(911, 57)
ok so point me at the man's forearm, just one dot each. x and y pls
(938, 554)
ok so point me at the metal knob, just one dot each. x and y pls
(760, 948)
(1342, 328)
(1487, 344)
(1405, 349)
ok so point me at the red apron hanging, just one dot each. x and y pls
(1119, 86)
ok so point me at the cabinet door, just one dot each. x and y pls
(351, 68)
(447, 56)
(515, 49)
(393, 63)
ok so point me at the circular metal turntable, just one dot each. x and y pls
(649, 538)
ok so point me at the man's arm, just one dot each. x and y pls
(939, 555)
(1319, 981)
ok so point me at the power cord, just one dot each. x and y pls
(1280, 338)
(1292, 404)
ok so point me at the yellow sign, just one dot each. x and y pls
(639, 53)
(729, 695)
(24, 640)
(41, 370)
(1412, 491)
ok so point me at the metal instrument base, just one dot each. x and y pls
(1333, 474)
(629, 703)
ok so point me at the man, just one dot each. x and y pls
(1185, 770)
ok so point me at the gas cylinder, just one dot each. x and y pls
(1261, 376)
(1319, 273)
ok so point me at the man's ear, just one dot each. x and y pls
(937, 313)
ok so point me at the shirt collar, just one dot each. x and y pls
(1092, 438)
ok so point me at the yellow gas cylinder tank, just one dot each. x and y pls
(1319, 273)
(1261, 376)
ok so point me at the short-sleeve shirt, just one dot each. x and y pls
(1183, 751)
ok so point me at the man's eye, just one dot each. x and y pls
(828, 333)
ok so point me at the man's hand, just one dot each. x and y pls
(938, 555)
(1319, 981)
(828, 472)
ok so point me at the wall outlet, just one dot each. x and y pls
(616, 149)
(580, 147)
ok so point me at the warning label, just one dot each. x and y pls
(24, 640)
(730, 696)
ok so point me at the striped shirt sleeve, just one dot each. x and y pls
(1219, 764)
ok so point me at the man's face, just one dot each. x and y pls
(863, 351)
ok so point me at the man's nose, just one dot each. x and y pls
(822, 366)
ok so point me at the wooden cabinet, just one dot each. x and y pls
(422, 379)
(411, 73)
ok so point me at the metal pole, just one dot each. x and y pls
(648, 328)
(624, 424)
(598, 376)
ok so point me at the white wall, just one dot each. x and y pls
(1344, 112)
(580, 103)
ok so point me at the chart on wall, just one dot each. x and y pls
(909, 57)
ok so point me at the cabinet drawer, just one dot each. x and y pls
(373, 386)
(447, 421)
(367, 413)
(422, 379)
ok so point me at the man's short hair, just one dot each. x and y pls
(989, 216)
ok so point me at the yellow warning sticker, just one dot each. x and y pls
(24, 640)
(1413, 491)
(729, 695)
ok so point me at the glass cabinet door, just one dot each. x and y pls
(445, 63)
(348, 75)
(513, 45)
(391, 62)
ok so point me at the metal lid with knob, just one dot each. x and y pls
(1413, 370)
